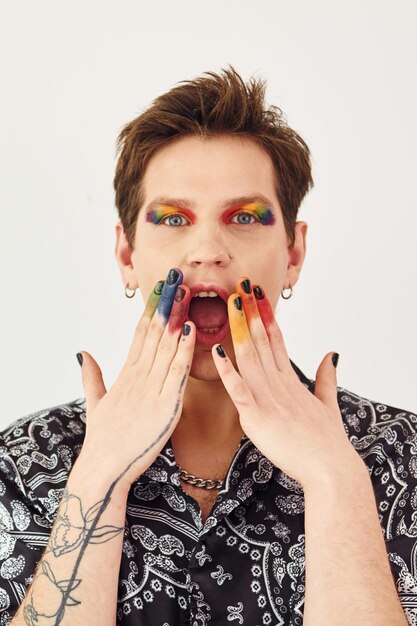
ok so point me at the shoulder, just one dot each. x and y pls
(386, 439)
(43, 431)
(38, 450)
(376, 429)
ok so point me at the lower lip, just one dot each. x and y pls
(209, 339)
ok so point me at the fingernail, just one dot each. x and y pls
(238, 303)
(259, 292)
(179, 294)
(172, 277)
(246, 286)
(158, 287)
(220, 351)
(187, 329)
(80, 358)
(335, 359)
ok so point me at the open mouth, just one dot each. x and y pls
(210, 318)
(208, 314)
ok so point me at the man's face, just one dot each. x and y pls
(210, 209)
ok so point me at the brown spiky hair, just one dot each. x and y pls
(212, 104)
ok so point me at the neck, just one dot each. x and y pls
(209, 411)
(209, 430)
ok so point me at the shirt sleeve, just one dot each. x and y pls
(396, 499)
(23, 536)
(36, 455)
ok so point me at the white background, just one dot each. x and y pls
(75, 72)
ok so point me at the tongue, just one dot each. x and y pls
(208, 312)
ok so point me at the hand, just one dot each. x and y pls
(128, 425)
(299, 432)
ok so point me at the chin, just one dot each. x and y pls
(203, 367)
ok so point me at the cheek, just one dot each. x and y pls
(268, 265)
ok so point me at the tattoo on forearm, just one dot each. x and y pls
(74, 530)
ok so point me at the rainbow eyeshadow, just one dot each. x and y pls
(259, 210)
(155, 216)
(262, 212)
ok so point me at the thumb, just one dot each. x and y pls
(92, 380)
(325, 388)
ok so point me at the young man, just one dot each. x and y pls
(225, 484)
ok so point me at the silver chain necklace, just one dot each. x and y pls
(205, 483)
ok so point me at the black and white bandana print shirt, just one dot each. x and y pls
(246, 563)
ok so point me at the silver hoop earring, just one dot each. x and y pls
(126, 294)
(290, 294)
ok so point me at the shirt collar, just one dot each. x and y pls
(249, 470)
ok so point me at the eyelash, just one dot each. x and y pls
(162, 221)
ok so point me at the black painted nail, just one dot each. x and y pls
(179, 294)
(220, 351)
(238, 303)
(246, 286)
(80, 358)
(187, 329)
(259, 292)
(158, 287)
(335, 359)
(172, 277)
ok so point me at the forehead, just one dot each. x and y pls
(213, 168)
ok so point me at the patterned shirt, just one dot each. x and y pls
(246, 563)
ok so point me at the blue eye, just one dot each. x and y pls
(173, 216)
(175, 219)
(245, 221)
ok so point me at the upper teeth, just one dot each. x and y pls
(205, 294)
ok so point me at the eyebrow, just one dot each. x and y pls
(187, 204)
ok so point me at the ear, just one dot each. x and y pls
(123, 254)
(296, 254)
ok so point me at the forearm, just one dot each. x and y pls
(348, 577)
(76, 579)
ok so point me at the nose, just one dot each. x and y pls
(209, 250)
(206, 255)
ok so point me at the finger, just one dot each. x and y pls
(273, 330)
(92, 379)
(143, 324)
(153, 299)
(257, 329)
(158, 323)
(174, 385)
(235, 385)
(179, 309)
(325, 388)
(168, 344)
(174, 279)
(247, 357)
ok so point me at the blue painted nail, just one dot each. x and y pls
(172, 277)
